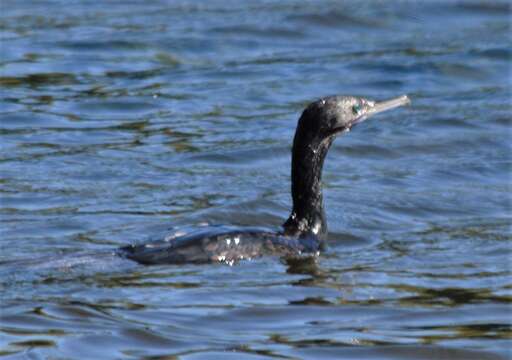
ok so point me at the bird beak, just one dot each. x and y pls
(389, 104)
(373, 108)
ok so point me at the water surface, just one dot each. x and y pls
(121, 120)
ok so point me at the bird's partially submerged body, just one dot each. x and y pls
(305, 230)
(227, 244)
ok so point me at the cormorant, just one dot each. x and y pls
(306, 229)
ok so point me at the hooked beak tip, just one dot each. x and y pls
(390, 104)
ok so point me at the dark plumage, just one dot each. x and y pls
(306, 227)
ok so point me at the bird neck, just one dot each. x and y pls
(307, 216)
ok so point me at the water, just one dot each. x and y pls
(121, 120)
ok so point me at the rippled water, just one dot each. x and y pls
(120, 120)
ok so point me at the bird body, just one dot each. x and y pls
(305, 230)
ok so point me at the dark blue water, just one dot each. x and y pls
(122, 119)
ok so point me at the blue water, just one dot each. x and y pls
(122, 119)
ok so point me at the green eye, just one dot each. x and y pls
(356, 109)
